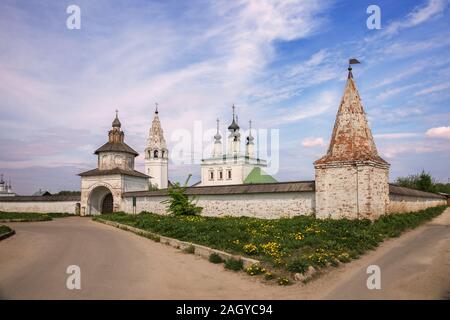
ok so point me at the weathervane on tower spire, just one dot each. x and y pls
(156, 107)
(350, 62)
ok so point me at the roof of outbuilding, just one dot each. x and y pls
(402, 191)
(294, 186)
(98, 172)
(116, 147)
(257, 175)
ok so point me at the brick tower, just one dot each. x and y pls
(351, 179)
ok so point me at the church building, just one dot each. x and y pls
(233, 166)
(5, 188)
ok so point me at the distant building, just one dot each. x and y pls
(6, 188)
(157, 155)
(41, 192)
(233, 166)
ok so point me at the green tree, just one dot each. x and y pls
(423, 181)
(179, 202)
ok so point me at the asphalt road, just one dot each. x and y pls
(116, 264)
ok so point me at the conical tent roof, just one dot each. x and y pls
(352, 139)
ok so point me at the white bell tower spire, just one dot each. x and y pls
(157, 155)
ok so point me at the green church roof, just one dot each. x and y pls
(259, 176)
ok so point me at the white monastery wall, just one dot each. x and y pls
(39, 206)
(403, 203)
(259, 205)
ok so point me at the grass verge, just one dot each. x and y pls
(4, 232)
(30, 216)
(288, 245)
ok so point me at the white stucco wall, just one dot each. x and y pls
(39, 206)
(116, 183)
(351, 191)
(402, 203)
(260, 205)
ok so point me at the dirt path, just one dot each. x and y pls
(116, 264)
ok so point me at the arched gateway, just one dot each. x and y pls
(100, 200)
(102, 188)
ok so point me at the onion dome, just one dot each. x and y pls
(217, 136)
(116, 123)
(233, 126)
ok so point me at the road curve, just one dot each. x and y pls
(116, 264)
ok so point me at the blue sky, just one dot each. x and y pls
(283, 63)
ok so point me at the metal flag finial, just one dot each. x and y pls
(350, 62)
(156, 107)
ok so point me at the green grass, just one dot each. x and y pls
(4, 229)
(30, 216)
(288, 244)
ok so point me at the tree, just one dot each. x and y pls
(179, 202)
(69, 193)
(423, 181)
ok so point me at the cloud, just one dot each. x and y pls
(327, 100)
(396, 90)
(313, 142)
(417, 16)
(434, 88)
(399, 135)
(439, 132)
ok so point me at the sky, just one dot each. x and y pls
(282, 63)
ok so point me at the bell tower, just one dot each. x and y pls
(157, 155)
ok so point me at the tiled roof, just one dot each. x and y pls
(351, 139)
(402, 191)
(98, 172)
(117, 147)
(294, 186)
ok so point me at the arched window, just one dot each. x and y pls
(155, 154)
(162, 154)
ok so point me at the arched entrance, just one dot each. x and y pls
(107, 204)
(101, 200)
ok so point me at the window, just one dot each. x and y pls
(228, 174)
(220, 175)
(162, 154)
(155, 154)
(211, 175)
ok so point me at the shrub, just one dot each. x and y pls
(190, 249)
(234, 264)
(179, 202)
(215, 258)
(298, 266)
